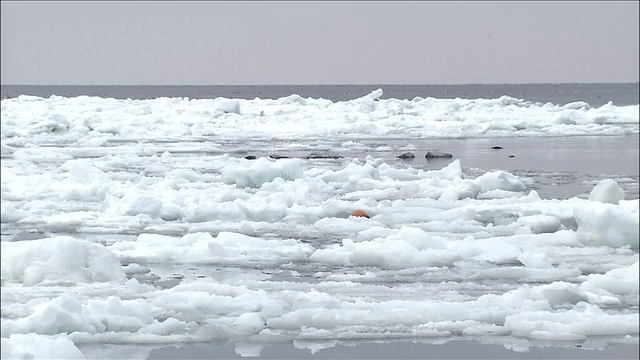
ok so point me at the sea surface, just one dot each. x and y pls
(555, 167)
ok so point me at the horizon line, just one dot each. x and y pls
(336, 84)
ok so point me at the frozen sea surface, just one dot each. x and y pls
(132, 226)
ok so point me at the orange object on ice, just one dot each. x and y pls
(360, 213)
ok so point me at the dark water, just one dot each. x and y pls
(390, 349)
(593, 94)
(560, 168)
(557, 167)
(457, 349)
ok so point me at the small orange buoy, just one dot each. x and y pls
(359, 213)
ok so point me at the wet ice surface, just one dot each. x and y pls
(111, 240)
(553, 176)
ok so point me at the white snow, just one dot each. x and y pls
(34, 346)
(75, 118)
(130, 221)
(58, 260)
(262, 171)
(607, 191)
(607, 224)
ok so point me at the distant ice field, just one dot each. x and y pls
(174, 220)
(594, 94)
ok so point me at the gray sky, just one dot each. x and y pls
(227, 43)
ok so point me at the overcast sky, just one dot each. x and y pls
(241, 43)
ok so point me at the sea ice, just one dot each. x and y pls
(131, 221)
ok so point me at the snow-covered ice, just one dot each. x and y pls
(141, 221)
